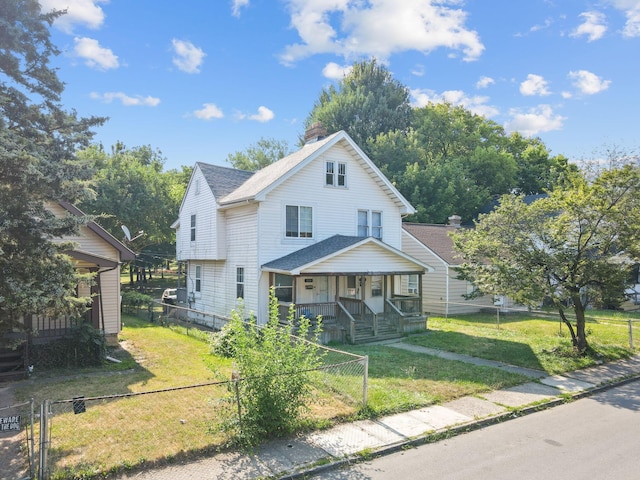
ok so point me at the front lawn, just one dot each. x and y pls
(529, 341)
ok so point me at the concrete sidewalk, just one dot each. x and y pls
(316, 451)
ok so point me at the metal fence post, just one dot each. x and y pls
(630, 335)
(365, 383)
(32, 454)
(44, 442)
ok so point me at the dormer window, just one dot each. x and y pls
(335, 174)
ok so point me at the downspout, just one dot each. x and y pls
(446, 308)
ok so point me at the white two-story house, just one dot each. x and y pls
(322, 226)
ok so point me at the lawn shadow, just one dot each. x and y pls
(499, 350)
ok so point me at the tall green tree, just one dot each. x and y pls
(38, 165)
(575, 247)
(367, 102)
(132, 189)
(260, 154)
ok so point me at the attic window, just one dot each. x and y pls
(336, 174)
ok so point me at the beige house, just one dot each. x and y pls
(442, 292)
(99, 252)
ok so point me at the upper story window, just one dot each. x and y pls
(193, 228)
(336, 174)
(299, 222)
(369, 223)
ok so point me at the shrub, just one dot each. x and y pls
(274, 372)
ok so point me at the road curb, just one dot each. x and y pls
(456, 430)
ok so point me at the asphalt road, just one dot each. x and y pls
(595, 438)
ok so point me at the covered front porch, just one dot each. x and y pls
(328, 281)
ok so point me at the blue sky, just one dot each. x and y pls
(199, 80)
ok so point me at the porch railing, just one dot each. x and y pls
(52, 327)
(327, 310)
(408, 305)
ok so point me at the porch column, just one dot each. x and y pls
(420, 293)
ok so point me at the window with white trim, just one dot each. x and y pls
(283, 287)
(412, 284)
(335, 174)
(298, 222)
(198, 279)
(193, 228)
(376, 286)
(240, 282)
(369, 223)
(363, 223)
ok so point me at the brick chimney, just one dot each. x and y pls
(455, 221)
(314, 133)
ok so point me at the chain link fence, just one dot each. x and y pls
(17, 427)
(109, 434)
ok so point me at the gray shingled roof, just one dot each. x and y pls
(309, 254)
(436, 238)
(223, 180)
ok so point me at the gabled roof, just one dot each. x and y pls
(296, 262)
(436, 238)
(126, 254)
(263, 181)
(222, 180)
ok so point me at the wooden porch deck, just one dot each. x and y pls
(351, 321)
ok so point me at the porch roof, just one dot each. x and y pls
(341, 254)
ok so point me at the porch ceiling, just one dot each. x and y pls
(347, 256)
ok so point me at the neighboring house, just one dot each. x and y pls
(99, 252)
(322, 226)
(443, 293)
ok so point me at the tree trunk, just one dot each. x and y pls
(581, 334)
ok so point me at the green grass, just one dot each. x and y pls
(180, 424)
(400, 380)
(529, 341)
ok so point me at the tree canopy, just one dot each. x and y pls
(432, 150)
(573, 248)
(133, 190)
(367, 102)
(38, 165)
(260, 154)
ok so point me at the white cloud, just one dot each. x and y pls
(594, 26)
(208, 111)
(631, 9)
(534, 121)
(484, 82)
(94, 55)
(188, 57)
(237, 6)
(588, 83)
(353, 28)
(79, 12)
(263, 115)
(476, 104)
(534, 85)
(336, 72)
(126, 100)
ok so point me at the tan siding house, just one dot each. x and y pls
(442, 292)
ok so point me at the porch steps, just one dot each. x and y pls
(12, 364)
(364, 332)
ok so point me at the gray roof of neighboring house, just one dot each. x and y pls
(223, 180)
(436, 238)
(314, 252)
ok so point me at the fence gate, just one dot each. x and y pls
(17, 441)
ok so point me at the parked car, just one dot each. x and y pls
(170, 296)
